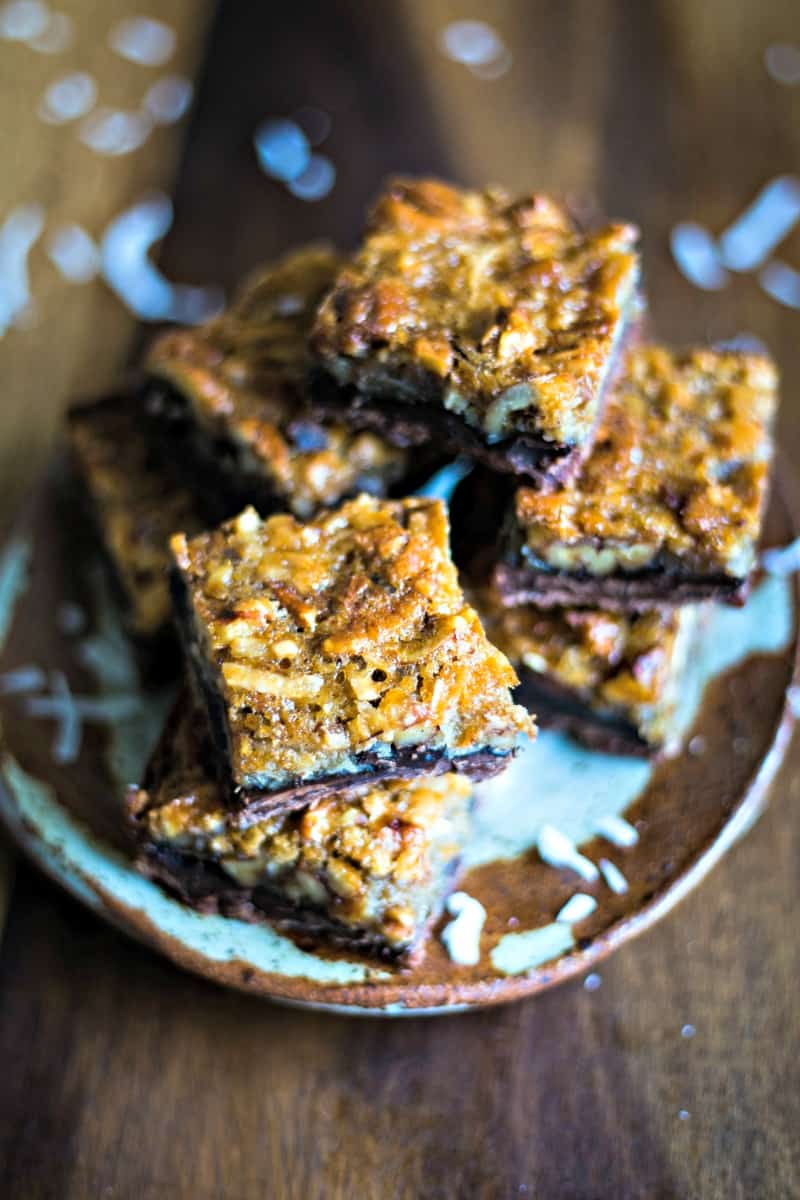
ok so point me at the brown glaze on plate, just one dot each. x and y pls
(687, 812)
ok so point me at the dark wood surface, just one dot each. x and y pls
(124, 1078)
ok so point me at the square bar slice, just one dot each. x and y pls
(368, 869)
(668, 507)
(339, 651)
(134, 504)
(485, 324)
(611, 680)
(230, 397)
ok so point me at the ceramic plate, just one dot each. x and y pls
(637, 837)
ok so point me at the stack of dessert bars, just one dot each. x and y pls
(270, 490)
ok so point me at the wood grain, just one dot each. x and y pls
(123, 1077)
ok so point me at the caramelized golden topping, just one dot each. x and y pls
(135, 504)
(501, 310)
(244, 375)
(345, 636)
(679, 470)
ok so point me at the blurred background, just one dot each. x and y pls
(206, 138)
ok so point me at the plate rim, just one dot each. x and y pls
(380, 998)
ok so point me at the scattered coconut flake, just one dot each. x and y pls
(781, 282)
(697, 746)
(70, 711)
(592, 982)
(316, 181)
(74, 253)
(68, 98)
(22, 20)
(749, 241)
(71, 619)
(613, 877)
(56, 37)
(444, 482)
(168, 99)
(282, 149)
(314, 122)
(557, 850)
(793, 699)
(18, 233)
(782, 61)
(782, 560)
(461, 937)
(617, 830)
(114, 132)
(578, 908)
(697, 257)
(22, 679)
(61, 706)
(472, 43)
(683, 1114)
(137, 281)
(143, 40)
(688, 1031)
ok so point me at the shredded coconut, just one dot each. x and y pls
(697, 257)
(557, 850)
(578, 908)
(617, 830)
(613, 877)
(749, 241)
(461, 937)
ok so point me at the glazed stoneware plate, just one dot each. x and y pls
(626, 838)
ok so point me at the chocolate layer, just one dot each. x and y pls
(634, 592)
(410, 762)
(558, 707)
(417, 425)
(206, 888)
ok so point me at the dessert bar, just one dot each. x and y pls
(134, 504)
(478, 323)
(340, 651)
(368, 869)
(612, 680)
(230, 399)
(667, 509)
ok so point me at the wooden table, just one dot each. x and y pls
(124, 1078)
